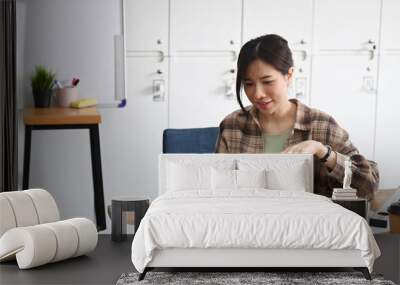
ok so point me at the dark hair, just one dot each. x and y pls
(272, 49)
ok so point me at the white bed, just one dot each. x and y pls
(232, 211)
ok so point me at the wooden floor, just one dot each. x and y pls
(102, 266)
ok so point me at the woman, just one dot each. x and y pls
(274, 124)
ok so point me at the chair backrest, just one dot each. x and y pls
(199, 140)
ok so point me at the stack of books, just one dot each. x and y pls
(344, 194)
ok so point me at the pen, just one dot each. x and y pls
(58, 84)
(75, 81)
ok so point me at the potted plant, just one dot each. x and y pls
(42, 83)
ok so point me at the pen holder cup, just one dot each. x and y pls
(66, 95)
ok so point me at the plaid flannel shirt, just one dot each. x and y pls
(240, 132)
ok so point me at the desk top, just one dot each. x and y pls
(61, 116)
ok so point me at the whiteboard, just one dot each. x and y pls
(77, 38)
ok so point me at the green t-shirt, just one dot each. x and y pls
(274, 143)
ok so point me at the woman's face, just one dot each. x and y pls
(266, 87)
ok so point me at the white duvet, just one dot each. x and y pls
(250, 219)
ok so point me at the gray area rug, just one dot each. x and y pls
(228, 278)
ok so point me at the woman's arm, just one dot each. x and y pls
(221, 145)
(365, 172)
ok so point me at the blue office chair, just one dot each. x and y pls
(200, 140)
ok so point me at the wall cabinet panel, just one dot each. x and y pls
(202, 91)
(390, 38)
(205, 25)
(290, 19)
(346, 24)
(388, 118)
(146, 23)
(148, 119)
(343, 87)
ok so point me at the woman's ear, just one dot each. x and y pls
(289, 76)
(290, 73)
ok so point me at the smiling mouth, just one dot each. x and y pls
(264, 105)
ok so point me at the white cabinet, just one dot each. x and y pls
(387, 125)
(289, 19)
(205, 25)
(346, 24)
(202, 91)
(335, 45)
(390, 38)
(147, 93)
(146, 23)
(344, 88)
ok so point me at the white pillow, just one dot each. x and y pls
(293, 180)
(223, 179)
(226, 179)
(282, 174)
(188, 177)
(251, 178)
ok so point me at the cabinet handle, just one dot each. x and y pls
(304, 54)
(300, 87)
(158, 90)
(302, 49)
(368, 84)
(162, 56)
(371, 48)
(234, 55)
(230, 89)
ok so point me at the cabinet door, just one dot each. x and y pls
(346, 24)
(344, 88)
(146, 23)
(390, 38)
(202, 91)
(289, 19)
(387, 125)
(145, 119)
(205, 25)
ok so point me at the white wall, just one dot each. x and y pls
(60, 159)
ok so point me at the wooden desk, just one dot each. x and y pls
(68, 118)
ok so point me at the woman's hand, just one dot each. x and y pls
(309, 146)
(313, 147)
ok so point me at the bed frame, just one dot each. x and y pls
(248, 259)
